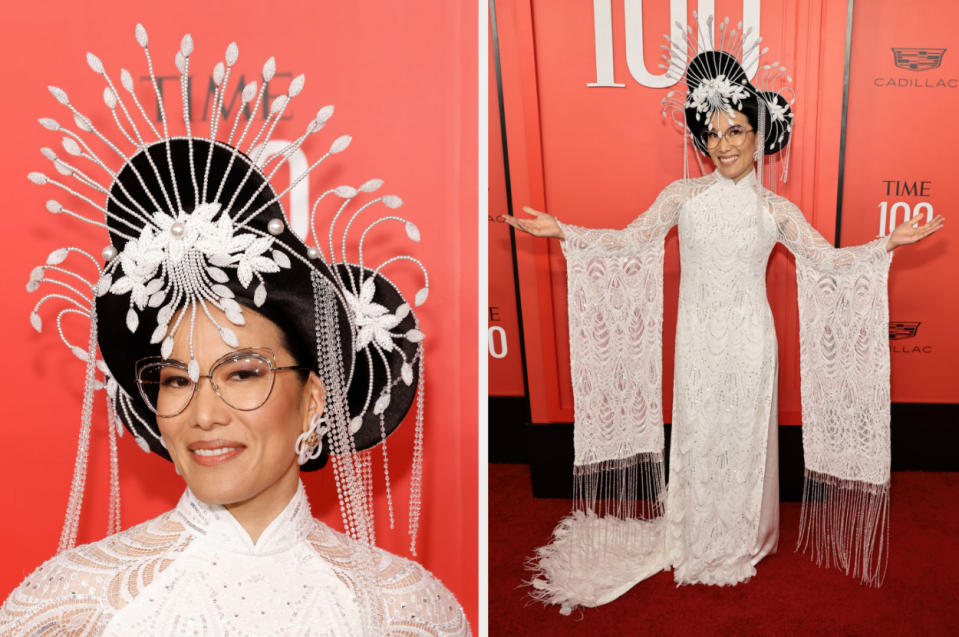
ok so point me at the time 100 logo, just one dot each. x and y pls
(893, 213)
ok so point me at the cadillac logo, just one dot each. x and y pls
(918, 59)
(899, 330)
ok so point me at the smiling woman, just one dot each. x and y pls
(233, 442)
(719, 517)
(731, 142)
(243, 356)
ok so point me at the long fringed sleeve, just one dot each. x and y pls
(615, 296)
(844, 367)
(613, 537)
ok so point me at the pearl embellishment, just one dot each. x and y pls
(275, 226)
(177, 229)
(109, 253)
(313, 253)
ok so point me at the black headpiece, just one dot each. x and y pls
(195, 223)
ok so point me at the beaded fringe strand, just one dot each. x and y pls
(845, 523)
(71, 523)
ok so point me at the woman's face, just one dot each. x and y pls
(733, 162)
(260, 443)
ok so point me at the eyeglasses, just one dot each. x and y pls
(243, 379)
(734, 135)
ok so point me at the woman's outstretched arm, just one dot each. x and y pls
(652, 224)
(542, 224)
(807, 244)
(909, 231)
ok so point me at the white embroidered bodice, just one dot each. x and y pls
(195, 571)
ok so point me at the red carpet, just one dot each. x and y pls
(789, 595)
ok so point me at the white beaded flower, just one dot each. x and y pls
(184, 215)
(373, 320)
(181, 247)
(777, 112)
(185, 259)
(717, 93)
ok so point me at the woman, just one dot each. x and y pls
(719, 516)
(244, 356)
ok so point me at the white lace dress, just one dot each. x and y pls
(721, 513)
(195, 571)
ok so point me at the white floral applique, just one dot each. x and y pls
(373, 320)
(184, 260)
(715, 94)
(373, 324)
(777, 112)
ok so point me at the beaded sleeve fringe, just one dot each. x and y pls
(844, 364)
(614, 533)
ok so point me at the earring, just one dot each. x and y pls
(309, 444)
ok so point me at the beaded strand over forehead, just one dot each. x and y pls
(194, 223)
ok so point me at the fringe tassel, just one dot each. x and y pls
(416, 478)
(113, 521)
(627, 488)
(845, 523)
(71, 522)
(612, 539)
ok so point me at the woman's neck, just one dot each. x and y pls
(256, 513)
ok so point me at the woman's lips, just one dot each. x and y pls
(209, 453)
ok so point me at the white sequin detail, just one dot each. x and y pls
(195, 571)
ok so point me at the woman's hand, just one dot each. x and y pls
(541, 225)
(905, 233)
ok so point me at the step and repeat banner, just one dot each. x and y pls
(900, 161)
(585, 141)
(402, 78)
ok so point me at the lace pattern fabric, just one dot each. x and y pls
(844, 368)
(615, 295)
(79, 591)
(194, 571)
(721, 512)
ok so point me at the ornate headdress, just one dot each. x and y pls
(195, 223)
(717, 82)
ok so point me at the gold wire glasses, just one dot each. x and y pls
(243, 379)
(735, 136)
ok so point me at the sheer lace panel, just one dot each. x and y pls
(844, 353)
(167, 578)
(811, 247)
(79, 591)
(407, 598)
(844, 370)
(652, 224)
(616, 305)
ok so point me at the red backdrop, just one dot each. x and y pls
(598, 155)
(900, 153)
(505, 358)
(403, 79)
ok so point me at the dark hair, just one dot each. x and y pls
(750, 108)
(710, 64)
(286, 341)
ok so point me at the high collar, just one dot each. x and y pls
(748, 180)
(217, 524)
